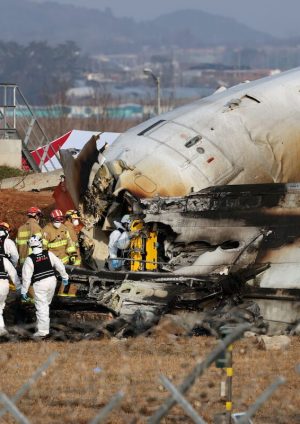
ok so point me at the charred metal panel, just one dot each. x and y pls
(241, 226)
(78, 170)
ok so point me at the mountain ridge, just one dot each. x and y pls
(97, 31)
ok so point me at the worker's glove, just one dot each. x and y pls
(65, 281)
(25, 298)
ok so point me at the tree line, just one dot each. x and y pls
(42, 71)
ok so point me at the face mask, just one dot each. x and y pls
(56, 224)
(75, 222)
(37, 250)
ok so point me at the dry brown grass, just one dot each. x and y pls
(72, 391)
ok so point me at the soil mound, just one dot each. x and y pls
(14, 204)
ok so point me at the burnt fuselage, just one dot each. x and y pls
(227, 229)
(248, 134)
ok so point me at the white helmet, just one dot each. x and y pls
(125, 219)
(35, 241)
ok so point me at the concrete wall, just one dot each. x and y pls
(37, 181)
(11, 153)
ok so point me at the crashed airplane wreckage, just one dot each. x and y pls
(216, 250)
(202, 184)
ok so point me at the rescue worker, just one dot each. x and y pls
(27, 230)
(72, 224)
(7, 272)
(7, 246)
(56, 238)
(119, 241)
(38, 269)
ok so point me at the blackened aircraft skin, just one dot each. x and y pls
(232, 227)
(248, 134)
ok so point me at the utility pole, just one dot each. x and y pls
(156, 79)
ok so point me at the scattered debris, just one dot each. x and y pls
(274, 342)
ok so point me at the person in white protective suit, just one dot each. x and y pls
(7, 272)
(38, 269)
(7, 246)
(119, 241)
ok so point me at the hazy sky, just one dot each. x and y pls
(277, 17)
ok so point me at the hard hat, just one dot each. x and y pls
(72, 213)
(35, 241)
(4, 226)
(56, 215)
(125, 219)
(34, 211)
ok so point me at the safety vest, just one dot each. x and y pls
(58, 241)
(42, 266)
(26, 230)
(3, 273)
(74, 238)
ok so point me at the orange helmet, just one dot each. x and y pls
(56, 215)
(4, 226)
(34, 211)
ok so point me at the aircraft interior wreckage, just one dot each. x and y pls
(214, 200)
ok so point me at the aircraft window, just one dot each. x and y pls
(193, 141)
(200, 150)
(151, 127)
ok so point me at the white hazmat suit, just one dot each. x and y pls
(44, 289)
(6, 267)
(8, 247)
(11, 251)
(119, 240)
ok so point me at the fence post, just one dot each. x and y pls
(225, 361)
(198, 371)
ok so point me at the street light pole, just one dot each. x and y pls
(158, 95)
(156, 79)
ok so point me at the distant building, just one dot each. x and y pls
(81, 92)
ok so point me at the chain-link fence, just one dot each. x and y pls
(164, 376)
